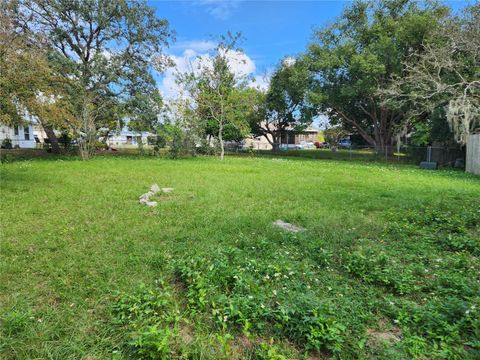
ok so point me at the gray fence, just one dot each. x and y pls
(443, 157)
(473, 154)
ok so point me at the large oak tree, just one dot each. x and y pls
(359, 54)
(107, 49)
(444, 78)
(29, 86)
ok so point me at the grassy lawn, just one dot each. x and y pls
(388, 266)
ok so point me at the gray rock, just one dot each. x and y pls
(287, 226)
(145, 197)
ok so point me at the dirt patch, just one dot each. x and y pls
(244, 342)
(381, 336)
(287, 226)
(186, 333)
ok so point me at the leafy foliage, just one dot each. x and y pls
(285, 105)
(358, 55)
(106, 49)
(443, 76)
(150, 318)
(220, 100)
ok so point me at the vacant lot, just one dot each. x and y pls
(387, 267)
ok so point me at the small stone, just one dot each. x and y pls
(154, 188)
(287, 226)
(151, 203)
(145, 197)
(167, 190)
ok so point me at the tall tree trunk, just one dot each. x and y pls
(220, 138)
(276, 137)
(87, 142)
(52, 138)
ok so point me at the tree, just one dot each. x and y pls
(216, 90)
(285, 105)
(333, 135)
(107, 48)
(445, 77)
(358, 55)
(29, 86)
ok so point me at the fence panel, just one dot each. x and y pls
(473, 154)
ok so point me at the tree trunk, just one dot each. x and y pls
(220, 139)
(276, 136)
(52, 138)
(87, 142)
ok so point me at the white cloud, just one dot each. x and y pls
(190, 60)
(289, 61)
(240, 63)
(260, 82)
(221, 9)
(196, 45)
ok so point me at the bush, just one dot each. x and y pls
(178, 141)
(378, 268)
(6, 143)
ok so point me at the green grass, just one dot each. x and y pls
(357, 155)
(387, 268)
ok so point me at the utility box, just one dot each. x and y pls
(429, 165)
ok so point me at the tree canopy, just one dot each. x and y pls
(444, 78)
(285, 105)
(107, 49)
(359, 54)
(219, 96)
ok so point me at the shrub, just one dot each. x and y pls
(378, 268)
(235, 291)
(149, 317)
(6, 143)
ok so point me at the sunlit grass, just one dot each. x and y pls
(74, 237)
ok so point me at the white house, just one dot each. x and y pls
(20, 136)
(127, 138)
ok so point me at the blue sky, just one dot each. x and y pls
(271, 29)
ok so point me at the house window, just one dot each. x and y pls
(26, 132)
(15, 130)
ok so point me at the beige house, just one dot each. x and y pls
(258, 143)
(290, 137)
(308, 135)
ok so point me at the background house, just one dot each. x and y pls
(257, 143)
(308, 135)
(290, 137)
(20, 136)
(127, 138)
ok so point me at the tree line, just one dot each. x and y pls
(382, 70)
